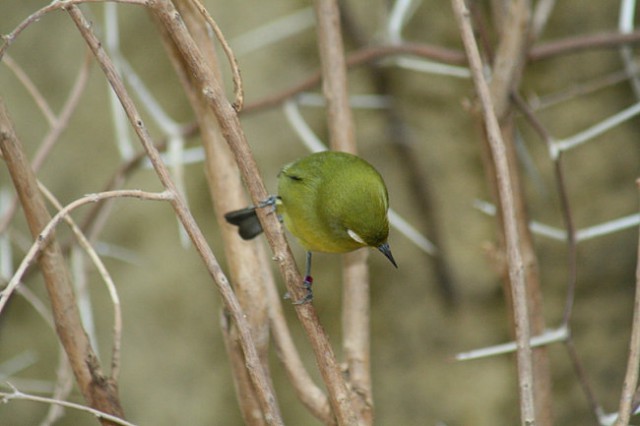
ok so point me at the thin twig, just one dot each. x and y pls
(583, 378)
(166, 12)
(631, 376)
(592, 85)
(100, 391)
(248, 264)
(28, 84)
(58, 125)
(358, 405)
(571, 234)
(595, 130)
(449, 56)
(582, 234)
(550, 336)
(418, 177)
(10, 38)
(16, 394)
(106, 278)
(43, 236)
(62, 389)
(122, 134)
(581, 43)
(230, 125)
(275, 30)
(233, 62)
(363, 56)
(626, 23)
(515, 261)
(541, 14)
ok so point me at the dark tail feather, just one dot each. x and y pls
(247, 222)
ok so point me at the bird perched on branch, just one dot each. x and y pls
(332, 202)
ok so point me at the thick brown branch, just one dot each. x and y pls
(229, 123)
(256, 371)
(248, 264)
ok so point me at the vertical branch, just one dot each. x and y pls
(248, 265)
(508, 211)
(248, 261)
(355, 305)
(572, 271)
(229, 123)
(253, 365)
(100, 391)
(356, 336)
(334, 76)
(507, 70)
(418, 179)
(631, 377)
(511, 54)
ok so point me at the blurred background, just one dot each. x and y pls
(174, 365)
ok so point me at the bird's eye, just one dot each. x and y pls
(294, 177)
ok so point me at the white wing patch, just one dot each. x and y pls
(355, 236)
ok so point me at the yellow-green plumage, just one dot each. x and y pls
(324, 195)
(331, 202)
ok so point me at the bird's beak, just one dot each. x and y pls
(384, 249)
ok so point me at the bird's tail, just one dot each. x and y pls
(247, 222)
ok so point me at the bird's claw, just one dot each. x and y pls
(271, 200)
(308, 297)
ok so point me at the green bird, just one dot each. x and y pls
(332, 202)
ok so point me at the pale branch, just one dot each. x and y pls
(18, 395)
(100, 391)
(167, 15)
(43, 237)
(230, 126)
(357, 400)
(631, 377)
(514, 256)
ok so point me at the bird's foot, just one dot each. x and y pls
(307, 283)
(271, 200)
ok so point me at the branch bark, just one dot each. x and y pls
(515, 260)
(100, 391)
(631, 376)
(229, 123)
(355, 278)
(248, 265)
(508, 66)
(253, 365)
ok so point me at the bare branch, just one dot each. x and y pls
(237, 80)
(231, 302)
(249, 267)
(515, 261)
(231, 129)
(358, 407)
(47, 232)
(631, 377)
(100, 391)
(58, 124)
(16, 394)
